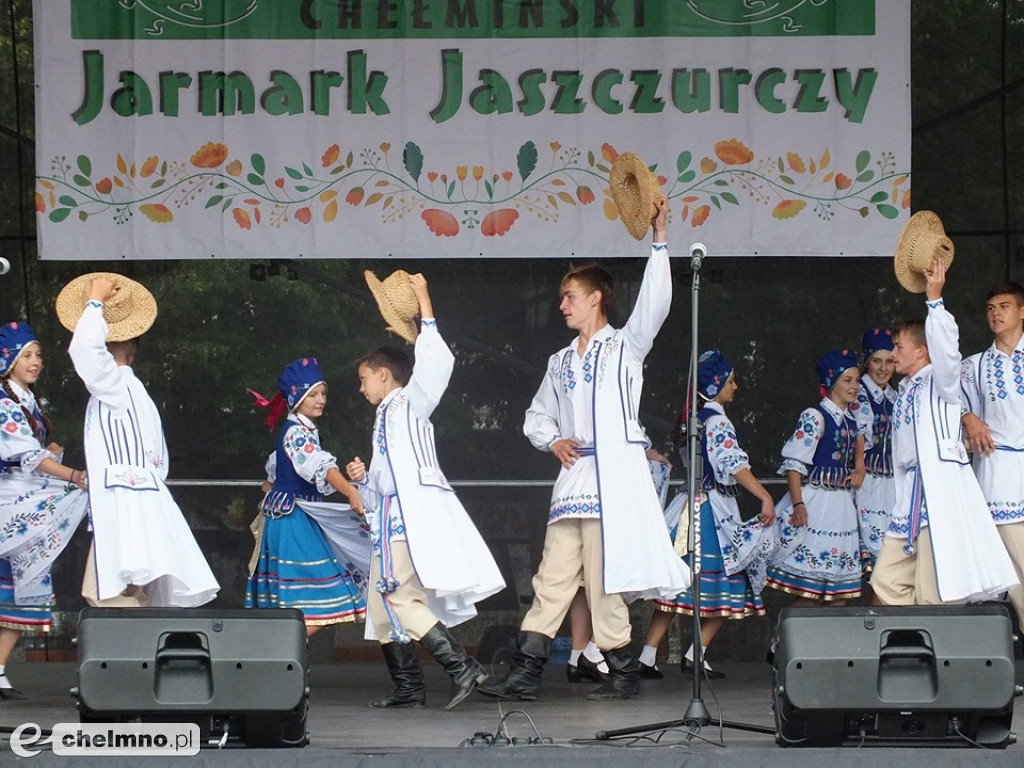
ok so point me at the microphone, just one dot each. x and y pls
(697, 253)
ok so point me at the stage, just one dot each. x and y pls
(344, 731)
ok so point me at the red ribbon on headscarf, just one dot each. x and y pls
(277, 407)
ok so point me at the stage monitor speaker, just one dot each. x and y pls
(240, 675)
(894, 676)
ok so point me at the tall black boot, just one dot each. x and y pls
(465, 671)
(405, 671)
(523, 679)
(623, 675)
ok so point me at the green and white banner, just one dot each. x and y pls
(466, 128)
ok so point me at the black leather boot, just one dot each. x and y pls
(405, 671)
(465, 671)
(523, 680)
(623, 675)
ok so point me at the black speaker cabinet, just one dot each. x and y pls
(240, 675)
(894, 676)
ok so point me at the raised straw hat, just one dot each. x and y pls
(636, 192)
(130, 312)
(922, 241)
(397, 302)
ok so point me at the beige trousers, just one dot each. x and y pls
(1013, 537)
(573, 550)
(409, 601)
(902, 579)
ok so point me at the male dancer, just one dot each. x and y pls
(429, 565)
(942, 545)
(605, 524)
(993, 391)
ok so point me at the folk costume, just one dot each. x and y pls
(992, 387)
(734, 553)
(296, 566)
(605, 522)
(942, 545)
(873, 413)
(39, 513)
(143, 551)
(821, 560)
(430, 566)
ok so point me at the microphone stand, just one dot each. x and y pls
(696, 715)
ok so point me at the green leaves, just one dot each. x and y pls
(412, 159)
(526, 159)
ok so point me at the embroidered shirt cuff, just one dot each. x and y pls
(94, 303)
(659, 246)
(933, 304)
(427, 322)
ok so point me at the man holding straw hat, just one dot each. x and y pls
(143, 552)
(605, 523)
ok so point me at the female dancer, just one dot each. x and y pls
(41, 500)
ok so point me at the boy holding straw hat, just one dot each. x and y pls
(942, 545)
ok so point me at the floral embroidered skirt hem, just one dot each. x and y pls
(820, 560)
(721, 595)
(24, 618)
(296, 569)
(875, 501)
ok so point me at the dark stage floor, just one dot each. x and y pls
(344, 729)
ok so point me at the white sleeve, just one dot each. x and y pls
(311, 462)
(724, 452)
(864, 416)
(93, 362)
(541, 426)
(970, 387)
(431, 370)
(798, 452)
(17, 443)
(652, 305)
(944, 350)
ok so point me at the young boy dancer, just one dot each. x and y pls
(429, 566)
(942, 545)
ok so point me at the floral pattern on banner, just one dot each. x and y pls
(465, 199)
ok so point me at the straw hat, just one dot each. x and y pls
(636, 192)
(922, 241)
(397, 302)
(129, 312)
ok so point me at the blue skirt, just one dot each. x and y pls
(730, 597)
(24, 618)
(296, 569)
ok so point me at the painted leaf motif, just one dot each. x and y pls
(441, 223)
(156, 212)
(498, 222)
(149, 166)
(412, 159)
(527, 159)
(787, 209)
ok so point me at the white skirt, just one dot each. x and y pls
(142, 538)
(875, 499)
(38, 516)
